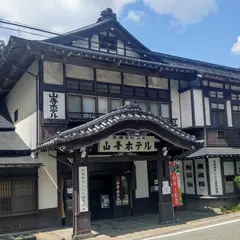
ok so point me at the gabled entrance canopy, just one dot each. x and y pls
(129, 117)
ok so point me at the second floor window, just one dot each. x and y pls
(218, 114)
(214, 94)
(235, 96)
(236, 115)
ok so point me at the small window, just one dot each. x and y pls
(115, 103)
(163, 94)
(16, 116)
(102, 87)
(220, 134)
(86, 86)
(235, 97)
(140, 92)
(214, 94)
(153, 93)
(114, 89)
(107, 42)
(128, 91)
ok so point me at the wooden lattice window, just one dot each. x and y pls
(17, 196)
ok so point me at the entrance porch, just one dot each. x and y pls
(113, 193)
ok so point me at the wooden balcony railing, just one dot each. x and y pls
(88, 116)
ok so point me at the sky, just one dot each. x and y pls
(205, 30)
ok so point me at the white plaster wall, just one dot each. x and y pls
(26, 129)
(229, 114)
(23, 98)
(207, 111)
(47, 182)
(198, 107)
(83, 43)
(155, 82)
(142, 190)
(186, 109)
(131, 53)
(108, 76)
(134, 80)
(175, 98)
(120, 47)
(53, 73)
(189, 189)
(74, 71)
(95, 42)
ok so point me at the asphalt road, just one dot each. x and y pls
(228, 230)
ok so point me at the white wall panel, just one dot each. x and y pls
(142, 190)
(229, 114)
(23, 98)
(47, 182)
(189, 177)
(186, 109)
(198, 107)
(74, 71)
(53, 73)
(175, 98)
(155, 82)
(201, 176)
(207, 111)
(108, 76)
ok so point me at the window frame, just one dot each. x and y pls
(218, 110)
(234, 113)
(34, 195)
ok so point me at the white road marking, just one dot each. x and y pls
(192, 230)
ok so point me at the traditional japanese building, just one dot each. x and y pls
(92, 118)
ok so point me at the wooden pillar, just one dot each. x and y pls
(166, 214)
(81, 213)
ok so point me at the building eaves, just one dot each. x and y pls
(209, 152)
(129, 112)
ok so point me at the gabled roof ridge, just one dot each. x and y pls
(195, 61)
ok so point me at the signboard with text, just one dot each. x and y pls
(177, 200)
(128, 144)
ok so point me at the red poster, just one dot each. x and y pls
(175, 182)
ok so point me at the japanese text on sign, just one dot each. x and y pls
(128, 144)
(83, 189)
(54, 105)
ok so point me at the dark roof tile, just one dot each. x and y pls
(10, 141)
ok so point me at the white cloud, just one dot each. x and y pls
(61, 15)
(135, 15)
(183, 11)
(236, 47)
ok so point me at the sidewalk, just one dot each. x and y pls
(133, 228)
(137, 228)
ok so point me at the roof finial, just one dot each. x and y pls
(107, 14)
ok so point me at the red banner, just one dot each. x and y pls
(175, 182)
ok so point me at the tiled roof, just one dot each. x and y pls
(130, 112)
(25, 160)
(10, 141)
(210, 152)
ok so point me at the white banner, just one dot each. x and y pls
(215, 176)
(128, 144)
(201, 176)
(54, 105)
(83, 189)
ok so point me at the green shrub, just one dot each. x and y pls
(237, 181)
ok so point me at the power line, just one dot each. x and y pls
(22, 31)
(3, 21)
(27, 26)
